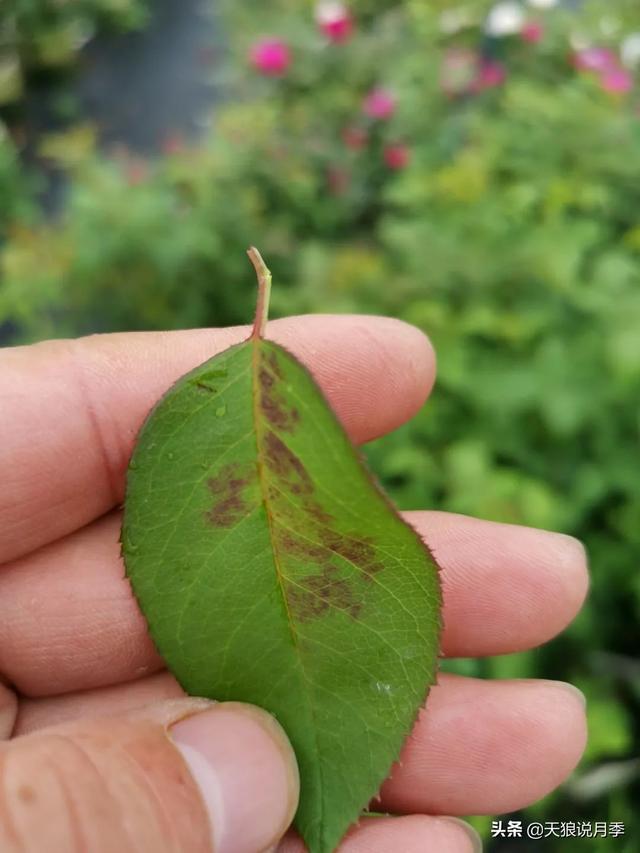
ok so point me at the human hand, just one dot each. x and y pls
(75, 653)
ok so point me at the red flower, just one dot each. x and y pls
(335, 20)
(490, 74)
(355, 137)
(397, 156)
(271, 56)
(379, 104)
(532, 31)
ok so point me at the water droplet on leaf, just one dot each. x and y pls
(382, 687)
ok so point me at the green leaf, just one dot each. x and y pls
(272, 570)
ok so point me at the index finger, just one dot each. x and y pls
(72, 409)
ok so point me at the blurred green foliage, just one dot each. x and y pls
(512, 236)
(49, 33)
(16, 188)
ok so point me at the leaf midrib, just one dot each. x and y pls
(256, 344)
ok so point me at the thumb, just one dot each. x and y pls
(186, 775)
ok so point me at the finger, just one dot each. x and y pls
(411, 834)
(35, 714)
(68, 620)
(72, 409)
(488, 747)
(505, 588)
(184, 775)
(480, 747)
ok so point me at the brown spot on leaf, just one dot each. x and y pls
(313, 596)
(266, 380)
(273, 404)
(297, 546)
(276, 411)
(357, 550)
(286, 466)
(317, 512)
(228, 489)
(272, 361)
(273, 494)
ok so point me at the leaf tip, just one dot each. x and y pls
(264, 292)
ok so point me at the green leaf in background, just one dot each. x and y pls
(272, 570)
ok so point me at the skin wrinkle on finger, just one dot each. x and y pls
(89, 782)
(68, 620)
(36, 714)
(95, 393)
(511, 742)
(8, 711)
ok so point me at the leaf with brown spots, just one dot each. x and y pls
(272, 570)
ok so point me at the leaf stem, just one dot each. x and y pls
(264, 292)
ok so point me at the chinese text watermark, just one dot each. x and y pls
(556, 829)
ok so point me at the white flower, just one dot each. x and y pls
(542, 4)
(330, 11)
(630, 50)
(504, 19)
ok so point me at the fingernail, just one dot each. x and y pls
(246, 773)
(475, 842)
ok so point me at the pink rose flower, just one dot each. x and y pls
(379, 104)
(490, 74)
(335, 20)
(397, 156)
(605, 64)
(617, 81)
(271, 56)
(532, 32)
(595, 59)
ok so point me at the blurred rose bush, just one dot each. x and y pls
(472, 169)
